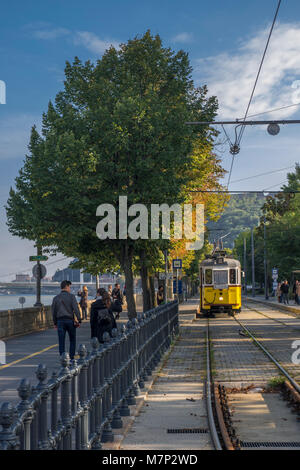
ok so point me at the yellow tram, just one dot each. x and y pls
(220, 285)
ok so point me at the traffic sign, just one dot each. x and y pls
(22, 301)
(38, 258)
(274, 274)
(43, 270)
(177, 263)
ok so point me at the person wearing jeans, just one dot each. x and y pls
(64, 310)
(63, 326)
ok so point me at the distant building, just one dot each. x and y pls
(22, 278)
(72, 275)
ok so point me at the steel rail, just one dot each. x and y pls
(211, 420)
(272, 358)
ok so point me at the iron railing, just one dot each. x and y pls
(79, 406)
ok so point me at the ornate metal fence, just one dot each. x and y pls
(79, 406)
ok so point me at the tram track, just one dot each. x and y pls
(222, 424)
(217, 426)
(270, 356)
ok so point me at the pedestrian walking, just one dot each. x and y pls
(102, 319)
(83, 301)
(285, 292)
(66, 317)
(117, 300)
(160, 295)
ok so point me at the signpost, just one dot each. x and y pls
(22, 301)
(39, 271)
(177, 264)
(275, 279)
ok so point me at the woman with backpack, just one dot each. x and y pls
(102, 319)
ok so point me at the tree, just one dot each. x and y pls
(117, 129)
(281, 214)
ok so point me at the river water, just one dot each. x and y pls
(12, 301)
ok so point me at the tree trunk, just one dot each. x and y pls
(126, 263)
(145, 282)
(152, 292)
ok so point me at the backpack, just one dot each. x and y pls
(116, 306)
(103, 316)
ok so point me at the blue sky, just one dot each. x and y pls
(225, 41)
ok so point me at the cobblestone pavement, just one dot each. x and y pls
(235, 357)
(176, 400)
(276, 337)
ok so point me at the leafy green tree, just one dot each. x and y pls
(118, 128)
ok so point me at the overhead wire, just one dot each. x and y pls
(258, 73)
(262, 174)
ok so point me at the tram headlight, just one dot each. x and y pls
(220, 298)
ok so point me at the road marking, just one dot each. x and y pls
(28, 357)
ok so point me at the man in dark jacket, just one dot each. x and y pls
(64, 307)
(102, 319)
(285, 292)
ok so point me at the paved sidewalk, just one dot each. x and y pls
(273, 303)
(25, 353)
(176, 399)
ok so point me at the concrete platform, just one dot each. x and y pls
(263, 417)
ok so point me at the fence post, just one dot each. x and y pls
(116, 391)
(41, 374)
(97, 395)
(8, 438)
(83, 397)
(124, 410)
(24, 391)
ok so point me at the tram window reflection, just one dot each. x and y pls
(232, 276)
(208, 276)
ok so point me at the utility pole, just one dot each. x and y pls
(245, 268)
(253, 264)
(265, 262)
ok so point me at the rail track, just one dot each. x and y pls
(294, 384)
(221, 427)
(218, 428)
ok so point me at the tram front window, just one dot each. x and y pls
(220, 277)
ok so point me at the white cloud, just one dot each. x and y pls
(51, 33)
(93, 42)
(183, 37)
(231, 76)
